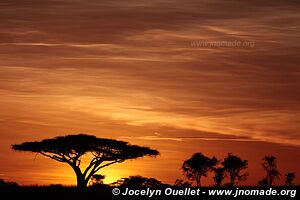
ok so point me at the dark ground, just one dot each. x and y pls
(57, 192)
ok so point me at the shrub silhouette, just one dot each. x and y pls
(270, 166)
(97, 179)
(71, 148)
(3, 183)
(234, 167)
(289, 178)
(182, 183)
(263, 182)
(138, 182)
(197, 166)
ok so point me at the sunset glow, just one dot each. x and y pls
(127, 71)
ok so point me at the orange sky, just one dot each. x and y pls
(127, 70)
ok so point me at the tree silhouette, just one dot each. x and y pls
(197, 166)
(270, 166)
(289, 178)
(97, 179)
(234, 166)
(219, 175)
(138, 181)
(3, 183)
(71, 148)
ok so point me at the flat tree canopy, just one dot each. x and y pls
(71, 148)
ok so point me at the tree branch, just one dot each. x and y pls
(57, 158)
(96, 168)
(92, 164)
(100, 167)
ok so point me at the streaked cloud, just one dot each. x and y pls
(129, 70)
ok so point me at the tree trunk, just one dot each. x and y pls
(81, 182)
(198, 181)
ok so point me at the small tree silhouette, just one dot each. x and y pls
(197, 166)
(219, 175)
(137, 182)
(289, 178)
(233, 166)
(71, 148)
(270, 166)
(3, 183)
(97, 179)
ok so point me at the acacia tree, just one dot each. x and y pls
(197, 166)
(270, 166)
(70, 149)
(289, 178)
(234, 167)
